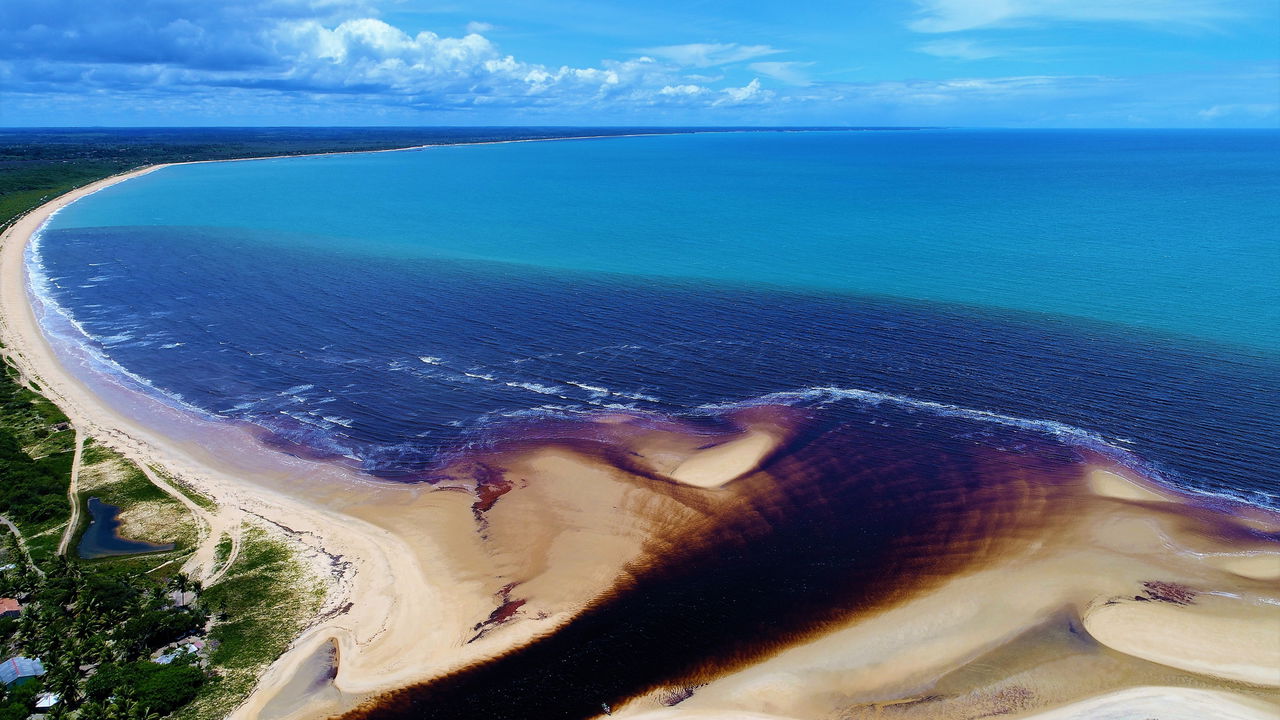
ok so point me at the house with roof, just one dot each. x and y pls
(10, 608)
(18, 670)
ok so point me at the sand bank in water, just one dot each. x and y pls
(847, 570)
(775, 562)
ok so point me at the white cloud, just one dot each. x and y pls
(1251, 110)
(791, 73)
(752, 92)
(957, 92)
(320, 54)
(682, 90)
(957, 49)
(939, 16)
(309, 50)
(709, 54)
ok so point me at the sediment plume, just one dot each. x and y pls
(909, 546)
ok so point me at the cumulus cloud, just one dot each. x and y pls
(703, 55)
(327, 61)
(317, 48)
(940, 16)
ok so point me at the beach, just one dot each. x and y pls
(977, 582)
(360, 562)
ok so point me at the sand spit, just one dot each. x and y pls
(858, 571)
(773, 562)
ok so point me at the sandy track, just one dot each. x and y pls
(73, 490)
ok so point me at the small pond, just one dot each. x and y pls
(100, 538)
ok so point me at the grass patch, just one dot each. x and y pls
(223, 549)
(203, 501)
(37, 424)
(43, 540)
(267, 596)
(146, 512)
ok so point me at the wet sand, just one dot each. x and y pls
(775, 562)
(859, 571)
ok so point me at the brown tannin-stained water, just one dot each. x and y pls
(845, 520)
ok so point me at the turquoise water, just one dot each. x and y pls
(1173, 231)
(1114, 290)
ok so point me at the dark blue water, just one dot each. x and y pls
(388, 355)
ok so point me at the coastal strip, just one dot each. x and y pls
(780, 562)
(358, 561)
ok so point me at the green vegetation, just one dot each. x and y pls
(76, 616)
(112, 614)
(38, 424)
(29, 495)
(262, 603)
(129, 486)
(96, 625)
(16, 702)
(160, 689)
(146, 511)
(223, 549)
(36, 450)
(202, 501)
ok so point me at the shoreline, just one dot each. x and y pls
(407, 571)
(358, 560)
(372, 573)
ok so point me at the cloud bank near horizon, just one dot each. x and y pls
(326, 61)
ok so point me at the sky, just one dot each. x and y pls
(1006, 63)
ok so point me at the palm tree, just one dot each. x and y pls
(63, 680)
(141, 713)
(92, 711)
(123, 709)
(180, 582)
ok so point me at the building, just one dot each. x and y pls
(17, 670)
(10, 608)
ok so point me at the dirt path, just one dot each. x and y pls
(22, 543)
(73, 495)
(211, 526)
(221, 569)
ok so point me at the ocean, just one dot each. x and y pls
(1115, 290)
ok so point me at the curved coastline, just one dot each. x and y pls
(399, 606)
(361, 561)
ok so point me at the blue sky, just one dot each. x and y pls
(1018, 63)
